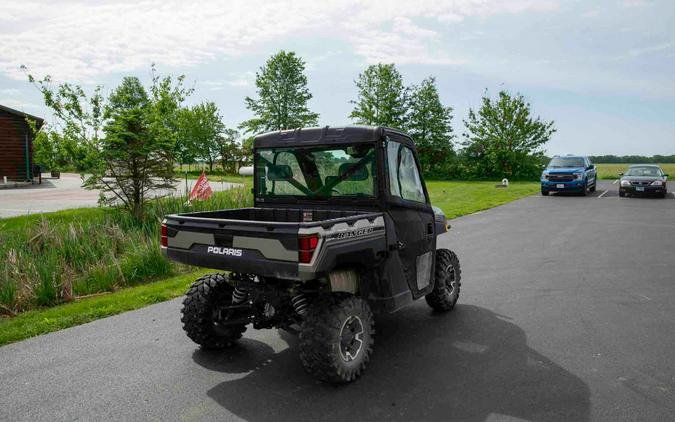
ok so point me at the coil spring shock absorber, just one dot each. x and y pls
(239, 295)
(300, 304)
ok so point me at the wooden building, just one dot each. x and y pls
(16, 145)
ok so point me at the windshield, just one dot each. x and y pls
(320, 172)
(567, 162)
(644, 171)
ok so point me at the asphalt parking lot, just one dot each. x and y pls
(567, 313)
(65, 193)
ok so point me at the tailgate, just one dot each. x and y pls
(266, 248)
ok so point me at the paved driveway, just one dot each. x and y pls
(567, 313)
(63, 193)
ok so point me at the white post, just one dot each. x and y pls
(5, 179)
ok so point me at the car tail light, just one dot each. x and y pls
(306, 247)
(164, 238)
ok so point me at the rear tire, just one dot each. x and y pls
(337, 338)
(200, 306)
(447, 281)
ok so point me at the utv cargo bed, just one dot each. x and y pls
(286, 243)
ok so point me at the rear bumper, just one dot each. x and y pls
(249, 262)
(555, 186)
(648, 190)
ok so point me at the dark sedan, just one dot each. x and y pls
(643, 179)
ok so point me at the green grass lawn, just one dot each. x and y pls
(611, 171)
(457, 198)
(64, 217)
(216, 178)
(81, 311)
(454, 197)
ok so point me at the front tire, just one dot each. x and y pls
(584, 189)
(337, 338)
(544, 192)
(200, 309)
(447, 281)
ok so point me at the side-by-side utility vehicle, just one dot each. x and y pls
(341, 227)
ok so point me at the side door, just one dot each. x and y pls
(591, 172)
(412, 217)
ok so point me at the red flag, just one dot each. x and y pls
(202, 189)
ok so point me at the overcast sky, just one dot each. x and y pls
(603, 70)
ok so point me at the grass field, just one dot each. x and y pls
(51, 258)
(611, 171)
(81, 311)
(458, 198)
(216, 178)
(87, 261)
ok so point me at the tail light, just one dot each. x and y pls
(306, 247)
(164, 238)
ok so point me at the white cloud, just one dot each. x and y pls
(9, 91)
(79, 40)
(634, 3)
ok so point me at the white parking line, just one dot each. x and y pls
(603, 194)
(614, 182)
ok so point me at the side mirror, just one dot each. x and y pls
(279, 173)
(620, 174)
(591, 167)
(665, 174)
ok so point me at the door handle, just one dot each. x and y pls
(430, 228)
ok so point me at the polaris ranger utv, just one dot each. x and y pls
(341, 227)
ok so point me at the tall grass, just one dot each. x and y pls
(60, 256)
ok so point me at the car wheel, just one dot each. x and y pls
(544, 192)
(584, 190)
(447, 282)
(200, 310)
(622, 193)
(337, 338)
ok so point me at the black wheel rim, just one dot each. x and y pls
(451, 282)
(351, 338)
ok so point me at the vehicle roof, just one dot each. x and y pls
(328, 135)
(644, 165)
(569, 156)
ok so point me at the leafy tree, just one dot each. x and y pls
(381, 97)
(136, 155)
(79, 117)
(185, 151)
(49, 151)
(282, 96)
(246, 151)
(503, 140)
(229, 151)
(429, 124)
(201, 127)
